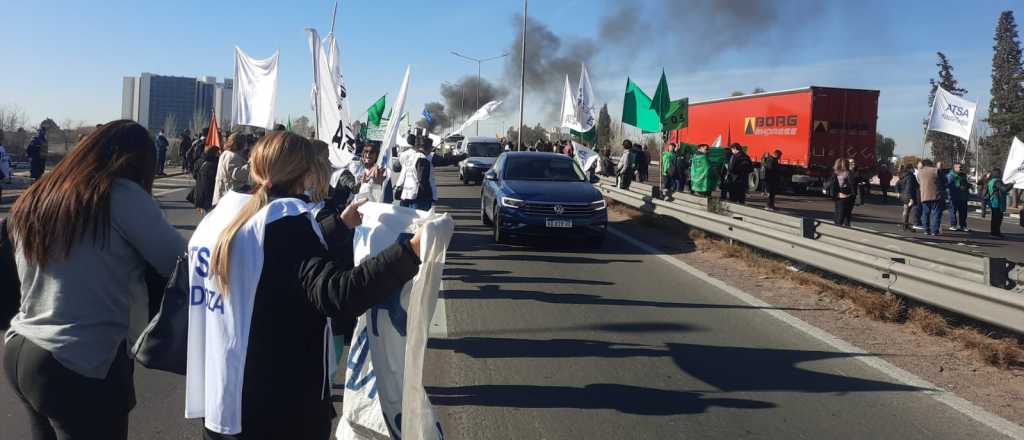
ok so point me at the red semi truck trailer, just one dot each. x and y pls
(812, 126)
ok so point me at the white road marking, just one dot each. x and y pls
(950, 399)
(165, 192)
(439, 322)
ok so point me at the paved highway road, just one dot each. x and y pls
(556, 339)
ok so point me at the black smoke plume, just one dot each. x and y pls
(460, 98)
(439, 119)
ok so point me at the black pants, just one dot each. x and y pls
(844, 210)
(64, 405)
(885, 193)
(771, 198)
(996, 224)
(738, 192)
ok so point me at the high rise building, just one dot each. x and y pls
(175, 103)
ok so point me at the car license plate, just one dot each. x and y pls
(558, 223)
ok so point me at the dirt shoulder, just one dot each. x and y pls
(950, 361)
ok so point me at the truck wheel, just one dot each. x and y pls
(753, 182)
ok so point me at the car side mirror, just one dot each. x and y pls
(490, 175)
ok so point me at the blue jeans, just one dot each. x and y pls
(931, 213)
(958, 212)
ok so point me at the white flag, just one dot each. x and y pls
(717, 143)
(1013, 172)
(585, 102)
(569, 119)
(952, 114)
(328, 106)
(482, 114)
(391, 133)
(255, 90)
(585, 156)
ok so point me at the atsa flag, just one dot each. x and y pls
(952, 114)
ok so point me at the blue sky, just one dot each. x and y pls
(65, 59)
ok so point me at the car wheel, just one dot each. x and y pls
(483, 214)
(499, 235)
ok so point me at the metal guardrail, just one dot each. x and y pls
(959, 282)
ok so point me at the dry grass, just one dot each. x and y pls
(1002, 352)
(929, 322)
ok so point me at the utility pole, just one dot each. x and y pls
(479, 62)
(522, 83)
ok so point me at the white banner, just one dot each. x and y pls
(482, 114)
(384, 394)
(1013, 172)
(585, 102)
(255, 92)
(952, 114)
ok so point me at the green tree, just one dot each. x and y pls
(945, 148)
(885, 148)
(604, 127)
(1006, 109)
(737, 93)
(757, 90)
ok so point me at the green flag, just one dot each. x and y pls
(636, 109)
(678, 115)
(289, 127)
(375, 111)
(661, 103)
(588, 137)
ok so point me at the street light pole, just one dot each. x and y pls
(479, 62)
(522, 83)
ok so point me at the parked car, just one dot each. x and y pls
(539, 194)
(480, 155)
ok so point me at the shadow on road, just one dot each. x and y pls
(492, 291)
(726, 369)
(622, 398)
(474, 276)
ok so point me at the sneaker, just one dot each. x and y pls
(965, 229)
(917, 227)
(954, 228)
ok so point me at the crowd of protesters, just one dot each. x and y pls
(927, 190)
(79, 243)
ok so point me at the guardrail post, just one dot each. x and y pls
(656, 192)
(810, 227)
(997, 272)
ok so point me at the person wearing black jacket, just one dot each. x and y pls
(772, 177)
(285, 389)
(909, 194)
(206, 177)
(738, 169)
(184, 147)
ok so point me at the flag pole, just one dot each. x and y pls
(522, 83)
(334, 16)
(928, 127)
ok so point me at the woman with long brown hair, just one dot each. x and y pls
(258, 357)
(84, 235)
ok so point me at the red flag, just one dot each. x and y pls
(213, 136)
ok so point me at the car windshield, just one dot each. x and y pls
(484, 149)
(543, 168)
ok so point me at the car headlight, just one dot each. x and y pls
(598, 205)
(510, 202)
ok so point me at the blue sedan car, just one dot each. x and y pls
(537, 194)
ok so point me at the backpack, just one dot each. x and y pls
(631, 164)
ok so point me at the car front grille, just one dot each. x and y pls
(551, 209)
